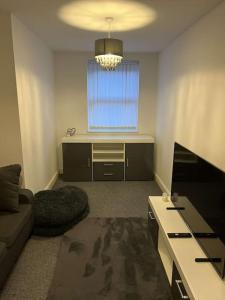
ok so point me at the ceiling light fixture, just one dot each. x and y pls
(108, 51)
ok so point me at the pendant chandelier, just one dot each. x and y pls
(108, 51)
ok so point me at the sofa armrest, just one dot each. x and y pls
(26, 196)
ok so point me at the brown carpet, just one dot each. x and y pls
(109, 258)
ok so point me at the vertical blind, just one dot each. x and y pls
(113, 97)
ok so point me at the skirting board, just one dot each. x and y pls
(161, 184)
(52, 181)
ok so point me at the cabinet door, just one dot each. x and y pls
(139, 161)
(178, 290)
(77, 164)
(153, 227)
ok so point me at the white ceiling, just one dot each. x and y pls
(172, 18)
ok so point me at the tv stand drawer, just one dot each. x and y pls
(178, 289)
(153, 226)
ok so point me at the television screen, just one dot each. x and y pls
(200, 189)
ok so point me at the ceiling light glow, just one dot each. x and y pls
(90, 15)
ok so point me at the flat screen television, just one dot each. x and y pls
(199, 187)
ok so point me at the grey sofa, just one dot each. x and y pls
(15, 229)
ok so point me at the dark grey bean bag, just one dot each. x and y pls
(56, 211)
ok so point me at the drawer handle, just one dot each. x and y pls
(108, 174)
(178, 282)
(150, 213)
(127, 162)
(108, 164)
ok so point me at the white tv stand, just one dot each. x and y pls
(200, 280)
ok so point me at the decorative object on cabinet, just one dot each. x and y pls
(70, 131)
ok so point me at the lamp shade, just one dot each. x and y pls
(108, 52)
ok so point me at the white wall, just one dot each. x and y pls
(191, 94)
(10, 139)
(71, 75)
(35, 88)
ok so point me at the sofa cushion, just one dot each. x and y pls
(12, 223)
(9, 188)
(2, 251)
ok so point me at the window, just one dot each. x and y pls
(113, 97)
